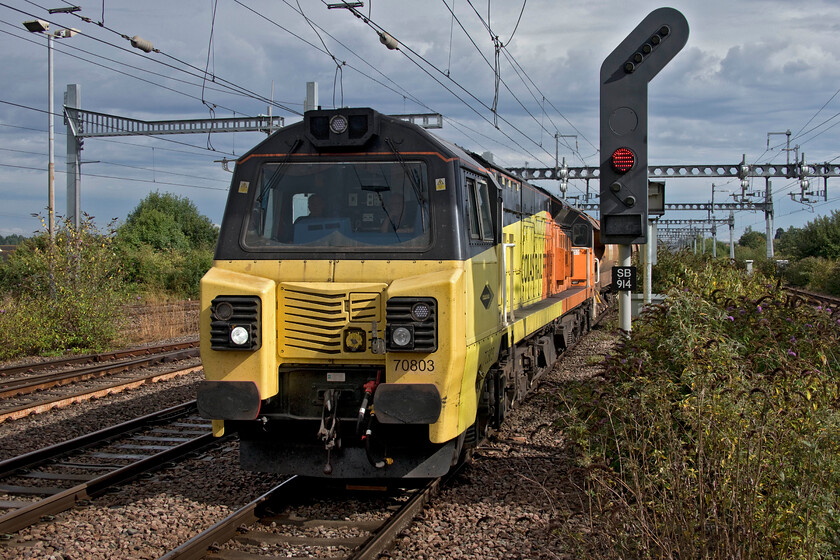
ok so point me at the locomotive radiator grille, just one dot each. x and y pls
(313, 320)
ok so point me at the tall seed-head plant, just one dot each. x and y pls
(716, 430)
(62, 296)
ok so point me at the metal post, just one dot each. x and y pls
(73, 100)
(768, 216)
(311, 102)
(650, 248)
(731, 235)
(624, 296)
(51, 165)
(714, 226)
(714, 240)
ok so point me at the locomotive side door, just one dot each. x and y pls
(485, 297)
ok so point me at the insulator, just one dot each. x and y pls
(564, 173)
(142, 44)
(388, 41)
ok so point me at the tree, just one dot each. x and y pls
(786, 240)
(752, 239)
(13, 239)
(819, 238)
(154, 228)
(166, 246)
(167, 221)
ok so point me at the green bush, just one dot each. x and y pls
(154, 229)
(66, 296)
(832, 283)
(811, 272)
(147, 268)
(818, 238)
(166, 247)
(167, 221)
(184, 280)
(716, 431)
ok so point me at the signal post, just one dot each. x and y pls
(625, 74)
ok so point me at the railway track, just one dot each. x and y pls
(51, 480)
(274, 525)
(58, 363)
(25, 392)
(822, 299)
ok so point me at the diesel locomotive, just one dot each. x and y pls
(380, 298)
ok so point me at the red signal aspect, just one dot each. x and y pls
(623, 160)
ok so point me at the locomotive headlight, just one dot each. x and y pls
(401, 337)
(420, 311)
(338, 124)
(239, 336)
(223, 310)
(411, 324)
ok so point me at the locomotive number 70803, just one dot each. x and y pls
(414, 365)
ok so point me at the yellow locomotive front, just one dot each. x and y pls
(335, 318)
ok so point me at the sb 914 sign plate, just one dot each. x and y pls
(624, 277)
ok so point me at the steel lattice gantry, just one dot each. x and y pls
(83, 124)
(89, 124)
(741, 170)
(744, 171)
(702, 206)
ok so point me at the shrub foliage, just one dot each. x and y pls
(61, 296)
(166, 246)
(715, 432)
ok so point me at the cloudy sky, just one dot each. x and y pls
(750, 67)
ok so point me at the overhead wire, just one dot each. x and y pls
(378, 29)
(196, 71)
(513, 62)
(27, 167)
(59, 156)
(68, 46)
(373, 25)
(515, 27)
(63, 46)
(397, 88)
(799, 132)
(403, 92)
(338, 64)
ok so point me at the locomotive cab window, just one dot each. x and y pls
(344, 205)
(478, 209)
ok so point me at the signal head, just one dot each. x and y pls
(623, 160)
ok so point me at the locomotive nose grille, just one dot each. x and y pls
(313, 320)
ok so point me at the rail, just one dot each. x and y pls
(191, 433)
